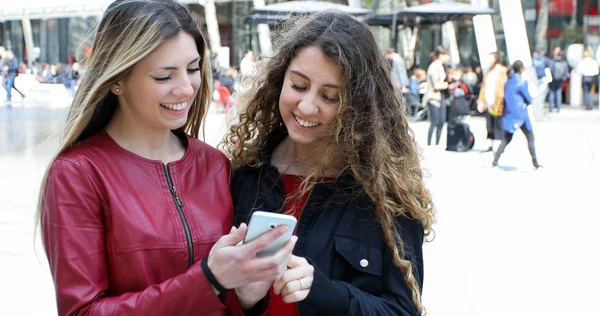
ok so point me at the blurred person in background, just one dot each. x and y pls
(470, 79)
(12, 71)
(398, 71)
(560, 73)
(515, 114)
(588, 68)
(433, 98)
(491, 99)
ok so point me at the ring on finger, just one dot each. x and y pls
(301, 285)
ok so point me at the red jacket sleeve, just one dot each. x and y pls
(74, 239)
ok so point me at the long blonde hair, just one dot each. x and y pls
(370, 132)
(128, 32)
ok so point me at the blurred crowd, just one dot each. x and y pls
(67, 74)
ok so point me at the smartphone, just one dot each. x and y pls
(261, 222)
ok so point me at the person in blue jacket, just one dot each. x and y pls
(516, 100)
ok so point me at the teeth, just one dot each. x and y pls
(305, 123)
(175, 107)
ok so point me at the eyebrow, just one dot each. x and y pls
(175, 68)
(329, 85)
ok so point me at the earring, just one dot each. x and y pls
(117, 90)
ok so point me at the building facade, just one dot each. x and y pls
(56, 39)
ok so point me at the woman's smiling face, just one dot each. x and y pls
(161, 88)
(309, 99)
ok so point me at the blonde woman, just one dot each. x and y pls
(491, 97)
(134, 207)
(433, 98)
(323, 136)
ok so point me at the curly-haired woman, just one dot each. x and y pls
(322, 135)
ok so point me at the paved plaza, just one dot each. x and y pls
(508, 242)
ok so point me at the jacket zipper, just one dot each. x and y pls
(179, 205)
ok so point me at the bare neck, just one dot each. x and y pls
(293, 158)
(145, 141)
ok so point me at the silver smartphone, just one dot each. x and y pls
(261, 222)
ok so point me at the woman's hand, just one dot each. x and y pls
(480, 107)
(296, 282)
(235, 266)
(250, 294)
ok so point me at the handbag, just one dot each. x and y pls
(497, 109)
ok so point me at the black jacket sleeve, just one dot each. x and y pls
(341, 298)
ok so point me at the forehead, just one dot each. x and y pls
(312, 62)
(176, 52)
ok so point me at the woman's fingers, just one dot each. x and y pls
(297, 285)
(296, 296)
(290, 275)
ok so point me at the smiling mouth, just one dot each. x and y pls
(174, 107)
(304, 123)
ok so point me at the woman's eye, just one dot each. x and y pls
(331, 100)
(298, 88)
(162, 78)
(193, 70)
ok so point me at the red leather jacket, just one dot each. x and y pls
(124, 235)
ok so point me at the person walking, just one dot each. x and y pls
(491, 98)
(136, 212)
(516, 116)
(400, 78)
(433, 98)
(588, 69)
(560, 73)
(12, 71)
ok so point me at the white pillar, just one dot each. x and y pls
(515, 32)
(212, 25)
(573, 56)
(449, 41)
(264, 33)
(27, 33)
(517, 46)
(484, 33)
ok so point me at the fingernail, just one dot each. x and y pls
(285, 229)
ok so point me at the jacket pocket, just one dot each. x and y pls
(362, 257)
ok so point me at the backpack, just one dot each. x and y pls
(540, 66)
(559, 70)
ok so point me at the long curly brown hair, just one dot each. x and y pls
(370, 131)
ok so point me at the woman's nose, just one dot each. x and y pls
(308, 105)
(185, 88)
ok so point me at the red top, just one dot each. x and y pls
(291, 185)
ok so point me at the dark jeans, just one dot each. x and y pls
(508, 137)
(10, 84)
(437, 117)
(555, 96)
(588, 82)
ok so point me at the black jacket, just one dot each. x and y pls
(340, 236)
